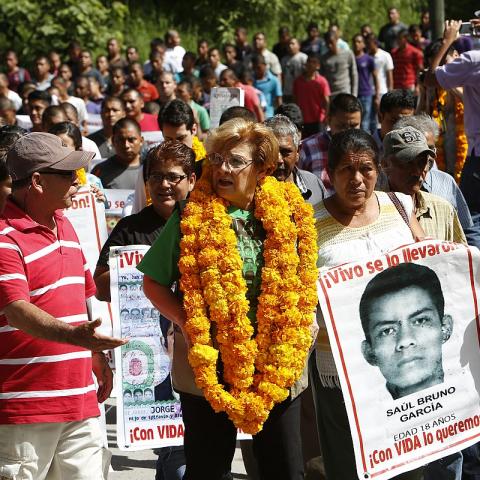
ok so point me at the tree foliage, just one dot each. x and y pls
(32, 27)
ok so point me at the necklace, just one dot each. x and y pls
(257, 370)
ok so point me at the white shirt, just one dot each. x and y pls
(383, 64)
(14, 97)
(174, 57)
(79, 104)
(90, 146)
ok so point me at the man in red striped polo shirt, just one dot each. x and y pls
(48, 402)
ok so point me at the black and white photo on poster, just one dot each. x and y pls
(404, 333)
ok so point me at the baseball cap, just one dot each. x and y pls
(405, 144)
(37, 151)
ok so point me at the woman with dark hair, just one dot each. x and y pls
(355, 223)
(170, 177)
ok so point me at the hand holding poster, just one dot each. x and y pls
(404, 334)
(148, 410)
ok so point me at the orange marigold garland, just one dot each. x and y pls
(257, 370)
(438, 114)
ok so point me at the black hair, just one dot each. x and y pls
(51, 112)
(329, 37)
(187, 83)
(113, 98)
(312, 25)
(138, 390)
(396, 278)
(190, 55)
(399, 98)
(351, 140)
(171, 151)
(9, 134)
(126, 123)
(207, 72)
(70, 129)
(156, 42)
(70, 110)
(237, 112)
(283, 29)
(40, 95)
(258, 59)
(345, 103)
(293, 112)
(176, 112)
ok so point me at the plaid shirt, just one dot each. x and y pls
(314, 158)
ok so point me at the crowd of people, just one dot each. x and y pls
(365, 147)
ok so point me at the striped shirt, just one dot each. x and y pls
(40, 380)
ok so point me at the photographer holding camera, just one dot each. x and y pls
(464, 72)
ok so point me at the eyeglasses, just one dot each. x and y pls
(234, 162)
(170, 177)
(62, 173)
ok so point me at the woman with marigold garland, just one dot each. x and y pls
(243, 251)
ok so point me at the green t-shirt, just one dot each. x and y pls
(161, 261)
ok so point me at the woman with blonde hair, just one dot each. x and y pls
(243, 251)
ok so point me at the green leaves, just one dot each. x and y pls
(33, 27)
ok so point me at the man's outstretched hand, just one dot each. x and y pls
(86, 336)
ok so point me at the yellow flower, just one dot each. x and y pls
(258, 370)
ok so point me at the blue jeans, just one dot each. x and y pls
(367, 104)
(170, 463)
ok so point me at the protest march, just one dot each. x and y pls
(262, 252)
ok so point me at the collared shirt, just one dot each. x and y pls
(438, 218)
(437, 182)
(40, 380)
(442, 185)
(314, 158)
(310, 186)
(465, 72)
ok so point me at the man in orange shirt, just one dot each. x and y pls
(147, 90)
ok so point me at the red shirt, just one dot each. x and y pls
(149, 123)
(251, 97)
(148, 91)
(40, 380)
(310, 96)
(406, 62)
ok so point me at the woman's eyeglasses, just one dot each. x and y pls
(233, 162)
(170, 177)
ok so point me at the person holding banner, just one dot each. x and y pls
(48, 400)
(356, 222)
(237, 224)
(170, 177)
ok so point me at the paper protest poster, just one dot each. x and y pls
(404, 331)
(116, 200)
(150, 139)
(94, 123)
(148, 410)
(222, 98)
(88, 219)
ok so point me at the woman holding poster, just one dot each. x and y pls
(244, 252)
(356, 222)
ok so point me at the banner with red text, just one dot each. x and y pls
(404, 331)
(148, 410)
(88, 219)
(116, 203)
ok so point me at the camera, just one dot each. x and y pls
(468, 29)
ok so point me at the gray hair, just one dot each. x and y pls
(282, 126)
(422, 122)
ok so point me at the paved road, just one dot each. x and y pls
(140, 465)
